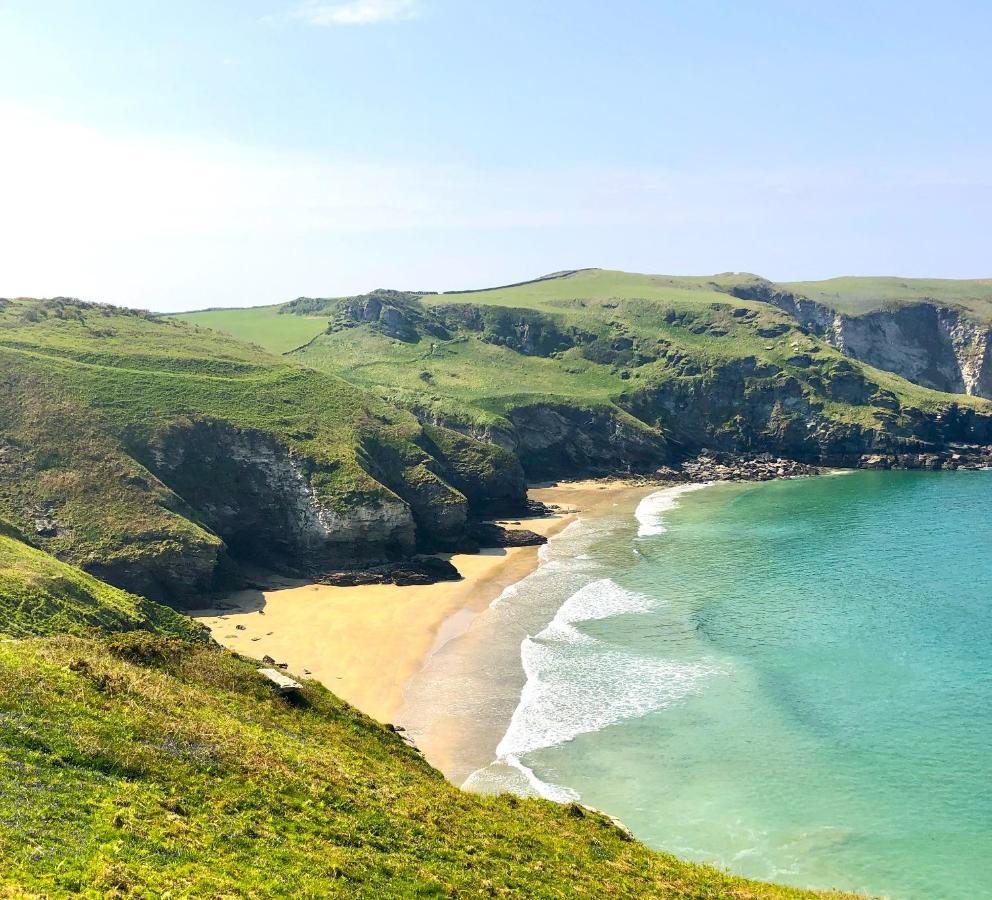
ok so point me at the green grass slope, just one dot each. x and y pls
(141, 767)
(109, 426)
(856, 296)
(41, 595)
(622, 337)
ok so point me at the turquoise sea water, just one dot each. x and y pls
(791, 680)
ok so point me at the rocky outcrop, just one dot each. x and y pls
(553, 440)
(550, 440)
(418, 570)
(488, 534)
(524, 331)
(710, 466)
(396, 314)
(929, 344)
(168, 571)
(488, 474)
(261, 500)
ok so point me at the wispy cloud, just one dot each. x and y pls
(356, 12)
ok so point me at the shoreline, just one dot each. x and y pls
(464, 705)
(366, 643)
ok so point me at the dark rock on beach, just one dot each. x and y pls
(418, 570)
(489, 534)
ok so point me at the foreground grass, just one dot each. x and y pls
(141, 766)
(41, 595)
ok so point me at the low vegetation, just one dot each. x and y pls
(143, 766)
(40, 595)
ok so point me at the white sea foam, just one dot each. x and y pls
(508, 593)
(577, 684)
(510, 775)
(650, 510)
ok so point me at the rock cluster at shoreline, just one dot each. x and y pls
(488, 534)
(710, 466)
(971, 457)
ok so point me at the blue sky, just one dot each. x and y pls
(182, 154)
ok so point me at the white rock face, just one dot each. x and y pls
(931, 345)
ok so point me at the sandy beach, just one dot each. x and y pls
(365, 643)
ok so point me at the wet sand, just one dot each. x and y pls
(365, 643)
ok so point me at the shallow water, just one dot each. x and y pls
(792, 680)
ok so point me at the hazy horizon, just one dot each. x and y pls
(243, 154)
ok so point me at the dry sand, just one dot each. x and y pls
(364, 643)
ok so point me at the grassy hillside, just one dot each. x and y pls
(860, 295)
(677, 356)
(151, 448)
(139, 766)
(40, 595)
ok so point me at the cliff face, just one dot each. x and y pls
(550, 440)
(553, 440)
(741, 407)
(247, 489)
(931, 345)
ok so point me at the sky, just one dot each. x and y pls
(178, 155)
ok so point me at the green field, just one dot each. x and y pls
(262, 325)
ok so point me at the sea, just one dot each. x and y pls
(790, 680)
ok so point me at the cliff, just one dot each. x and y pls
(928, 343)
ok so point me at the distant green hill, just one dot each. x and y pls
(136, 766)
(626, 363)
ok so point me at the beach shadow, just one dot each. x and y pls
(250, 600)
(482, 551)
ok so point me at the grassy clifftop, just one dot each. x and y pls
(856, 296)
(138, 766)
(646, 357)
(147, 450)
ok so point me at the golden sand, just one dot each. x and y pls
(364, 643)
